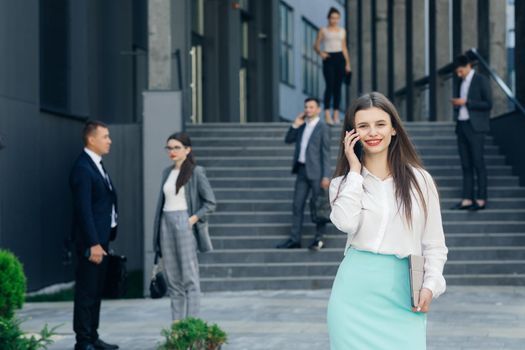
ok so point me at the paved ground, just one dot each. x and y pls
(474, 318)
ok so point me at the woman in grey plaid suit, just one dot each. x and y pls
(181, 226)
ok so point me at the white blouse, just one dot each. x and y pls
(172, 201)
(333, 41)
(366, 209)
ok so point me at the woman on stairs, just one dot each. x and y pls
(336, 62)
(181, 226)
(389, 206)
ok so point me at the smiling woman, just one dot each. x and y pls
(389, 207)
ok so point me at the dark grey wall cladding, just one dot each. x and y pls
(35, 200)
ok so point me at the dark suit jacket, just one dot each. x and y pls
(93, 202)
(479, 103)
(317, 152)
(200, 200)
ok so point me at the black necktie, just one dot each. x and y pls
(106, 176)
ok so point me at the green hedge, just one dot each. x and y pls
(12, 284)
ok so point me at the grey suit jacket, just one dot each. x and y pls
(317, 152)
(479, 103)
(201, 202)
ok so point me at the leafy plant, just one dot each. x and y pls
(216, 337)
(12, 284)
(193, 334)
(13, 338)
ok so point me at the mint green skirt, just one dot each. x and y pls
(369, 308)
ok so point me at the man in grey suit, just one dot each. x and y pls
(311, 163)
(472, 114)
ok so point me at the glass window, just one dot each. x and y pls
(311, 61)
(286, 21)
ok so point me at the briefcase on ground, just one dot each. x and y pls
(116, 284)
(320, 208)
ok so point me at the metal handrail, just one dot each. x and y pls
(502, 85)
(449, 68)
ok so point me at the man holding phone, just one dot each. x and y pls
(311, 163)
(472, 114)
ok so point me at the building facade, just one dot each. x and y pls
(148, 67)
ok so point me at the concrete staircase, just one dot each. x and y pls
(249, 168)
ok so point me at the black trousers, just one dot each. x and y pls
(471, 149)
(302, 189)
(89, 285)
(334, 73)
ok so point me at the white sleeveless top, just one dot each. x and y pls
(172, 201)
(333, 41)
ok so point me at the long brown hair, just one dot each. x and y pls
(402, 155)
(186, 169)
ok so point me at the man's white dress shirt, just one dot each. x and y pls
(97, 160)
(308, 130)
(463, 93)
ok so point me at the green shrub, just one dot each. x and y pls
(193, 334)
(12, 284)
(12, 337)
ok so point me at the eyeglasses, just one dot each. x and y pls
(174, 148)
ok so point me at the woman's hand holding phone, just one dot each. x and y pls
(350, 140)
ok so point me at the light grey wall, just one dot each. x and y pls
(162, 116)
(314, 11)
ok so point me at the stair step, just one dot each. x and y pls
(287, 150)
(301, 269)
(284, 171)
(289, 181)
(262, 229)
(258, 193)
(227, 205)
(335, 254)
(285, 160)
(337, 241)
(286, 217)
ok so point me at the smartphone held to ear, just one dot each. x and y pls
(358, 150)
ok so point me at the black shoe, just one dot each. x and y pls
(288, 244)
(101, 345)
(316, 245)
(84, 347)
(476, 206)
(460, 206)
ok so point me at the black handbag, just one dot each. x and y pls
(157, 286)
(320, 208)
(348, 78)
(116, 283)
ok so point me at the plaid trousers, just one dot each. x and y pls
(181, 267)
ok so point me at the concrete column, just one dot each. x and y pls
(399, 44)
(520, 50)
(399, 53)
(159, 45)
(469, 26)
(498, 52)
(443, 57)
(382, 47)
(352, 46)
(419, 60)
(367, 47)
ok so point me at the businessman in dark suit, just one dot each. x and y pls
(311, 163)
(472, 114)
(95, 225)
